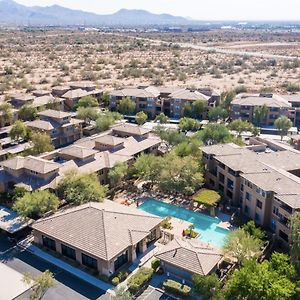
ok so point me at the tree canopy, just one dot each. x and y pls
(240, 246)
(161, 118)
(117, 173)
(18, 131)
(35, 204)
(7, 115)
(41, 143)
(81, 188)
(105, 120)
(241, 126)
(189, 124)
(141, 117)
(40, 284)
(274, 279)
(217, 113)
(87, 101)
(214, 134)
(283, 124)
(208, 287)
(295, 238)
(27, 113)
(260, 115)
(87, 114)
(126, 106)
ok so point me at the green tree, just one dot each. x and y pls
(6, 113)
(263, 281)
(187, 111)
(105, 99)
(126, 106)
(188, 147)
(103, 123)
(217, 113)
(260, 115)
(169, 136)
(187, 124)
(162, 119)
(295, 239)
(141, 118)
(40, 284)
(240, 126)
(253, 230)
(226, 99)
(148, 167)
(240, 246)
(18, 131)
(27, 113)
(41, 143)
(81, 188)
(209, 287)
(283, 124)
(198, 108)
(87, 101)
(117, 173)
(121, 294)
(87, 114)
(214, 134)
(35, 204)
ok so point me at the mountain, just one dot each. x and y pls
(13, 13)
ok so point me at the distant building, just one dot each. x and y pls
(60, 126)
(169, 100)
(100, 236)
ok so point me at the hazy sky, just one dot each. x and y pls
(197, 9)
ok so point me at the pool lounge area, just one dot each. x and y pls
(205, 225)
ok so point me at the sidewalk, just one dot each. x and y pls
(74, 271)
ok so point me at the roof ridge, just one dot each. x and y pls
(104, 234)
(132, 214)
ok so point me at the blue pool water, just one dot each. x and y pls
(205, 225)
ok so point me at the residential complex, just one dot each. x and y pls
(100, 236)
(244, 105)
(169, 100)
(59, 125)
(96, 154)
(266, 186)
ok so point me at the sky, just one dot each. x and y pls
(196, 9)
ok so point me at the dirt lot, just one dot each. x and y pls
(41, 59)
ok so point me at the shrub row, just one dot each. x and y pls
(139, 279)
(176, 287)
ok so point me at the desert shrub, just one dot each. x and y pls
(176, 287)
(115, 281)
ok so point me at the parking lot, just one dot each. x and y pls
(68, 287)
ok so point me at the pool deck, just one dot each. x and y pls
(178, 226)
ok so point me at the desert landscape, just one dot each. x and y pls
(39, 59)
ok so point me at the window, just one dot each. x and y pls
(229, 194)
(68, 252)
(248, 196)
(49, 243)
(221, 177)
(273, 225)
(257, 217)
(258, 204)
(242, 187)
(221, 188)
(246, 210)
(89, 261)
(230, 184)
(284, 236)
(121, 260)
(275, 210)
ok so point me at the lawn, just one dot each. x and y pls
(207, 197)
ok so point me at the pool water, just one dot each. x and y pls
(205, 225)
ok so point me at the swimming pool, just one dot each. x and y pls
(205, 225)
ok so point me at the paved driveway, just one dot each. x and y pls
(68, 286)
(152, 294)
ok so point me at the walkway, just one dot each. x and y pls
(74, 271)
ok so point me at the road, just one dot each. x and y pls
(214, 49)
(68, 287)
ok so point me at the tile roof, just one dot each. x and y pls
(82, 84)
(78, 151)
(31, 163)
(103, 230)
(131, 129)
(44, 100)
(74, 94)
(57, 114)
(41, 124)
(185, 94)
(191, 255)
(109, 140)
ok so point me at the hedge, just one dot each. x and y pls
(155, 264)
(139, 279)
(176, 287)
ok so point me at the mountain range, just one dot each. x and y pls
(13, 13)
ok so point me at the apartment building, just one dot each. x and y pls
(266, 186)
(100, 236)
(96, 154)
(59, 125)
(244, 105)
(169, 100)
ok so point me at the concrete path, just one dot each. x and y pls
(74, 271)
